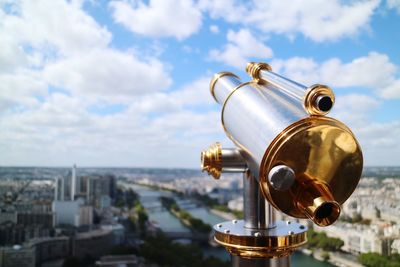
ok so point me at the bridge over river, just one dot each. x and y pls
(194, 236)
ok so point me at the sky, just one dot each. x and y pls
(126, 83)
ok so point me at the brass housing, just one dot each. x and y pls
(327, 160)
(277, 242)
(211, 160)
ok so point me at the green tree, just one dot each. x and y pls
(325, 256)
(377, 260)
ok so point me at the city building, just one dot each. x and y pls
(93, 243)
(100, 190)
(75, 183)
(118, 232)
(360, 238)
(74, 213)
(11, 234)
(85, 215)
(8, 217)
(62, 188)
(118, 260)
(50, 248)
(17, 256)
(67, 187)
(45, 219)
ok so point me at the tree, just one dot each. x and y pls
(325, 256)
(376, 260)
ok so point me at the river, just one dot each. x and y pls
(150, 199)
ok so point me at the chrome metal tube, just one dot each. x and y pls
(291, 88)
(244, 262)
(232, 161)
(258, 213)
(266, 213)
(253, 116)
(250, 201)
(316, 99)
(222, 85)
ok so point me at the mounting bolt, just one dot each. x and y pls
(281, 177)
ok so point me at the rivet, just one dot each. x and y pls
(257, 234)
(288, 222)
(290, 232)
(219, 225)
(226, 231)
(234, 221)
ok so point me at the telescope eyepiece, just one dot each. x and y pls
(324, 103)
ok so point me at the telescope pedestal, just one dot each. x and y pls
(259, 240)
(243, 262)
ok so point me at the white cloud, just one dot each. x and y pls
(20, 89)
(242, 46)
(159, 18)
(61, 128)
(374, 71)
(49, 25)
(394, 4)
(378, 140)
(214, 29)
(318, 20)
(354, 109)
(108, 74)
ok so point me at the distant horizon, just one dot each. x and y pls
(133, 167)
(60, 102)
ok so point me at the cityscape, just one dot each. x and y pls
(146, 217)
(106, 106)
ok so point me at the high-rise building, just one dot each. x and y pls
(67, 187)
(75, 184)
(59, 188)
(100, 190)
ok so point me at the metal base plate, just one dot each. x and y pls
(279, 241)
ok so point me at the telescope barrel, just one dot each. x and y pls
(306, 164)
(316, 99)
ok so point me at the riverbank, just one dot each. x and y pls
(150, 198)
(195, 224)
(223, 214)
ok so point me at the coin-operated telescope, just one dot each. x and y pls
(294, 160)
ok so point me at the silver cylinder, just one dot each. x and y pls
(316, 99)
(291, 88)
(251, 106)
(232, 161)
(258, 213)
(244, 262)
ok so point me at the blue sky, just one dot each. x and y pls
(125, 83)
